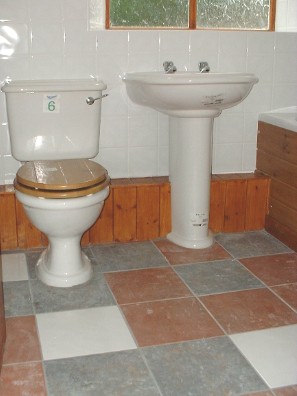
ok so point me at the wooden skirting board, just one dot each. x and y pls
(139, 210)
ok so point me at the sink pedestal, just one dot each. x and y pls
(190, 153)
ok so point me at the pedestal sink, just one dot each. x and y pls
(191, 100)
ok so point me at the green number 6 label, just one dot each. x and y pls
(51, 103)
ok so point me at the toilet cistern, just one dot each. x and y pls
(191, 100)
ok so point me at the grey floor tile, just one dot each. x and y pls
(248, 244)
(17, 299)
(94, 293)
(211, 367)
(112, 374)
(124, 256)
(217, 277)
(32, 258)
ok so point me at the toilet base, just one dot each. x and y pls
(83, 273)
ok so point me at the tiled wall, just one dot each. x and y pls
(42, 39)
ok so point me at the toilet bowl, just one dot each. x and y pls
(54, 128)
(62, 199)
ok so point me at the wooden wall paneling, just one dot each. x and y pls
(256, 203)
(282, 232)
(165, 209)
(102, 230)
(284, 193)
(21, 225)
(217, 204)
(8, 222)
(148, 212)
(283, 214)
(278, 142)
(235, 202)
(277, 168)
(124, 210)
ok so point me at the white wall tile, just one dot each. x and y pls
(163, 161)
(10, 166)
(250, 128)
(284, 95)
(14, 10)
(115, 160)
(15, 67)
(286, 68)
(46, 66)
(144, 61)
(78, 39)
(249, 157)
(114, 131)
(134, 139)
(260, 43)
(47, 38)
(230, 128)
(143, 161)
(15, 39)
(80, 65)
(45, 10)
(259, 99)
(75, 9)
(227, 157)
(137, 39)
(143, 131)
(261, 65)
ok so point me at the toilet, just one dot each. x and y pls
(54, 128)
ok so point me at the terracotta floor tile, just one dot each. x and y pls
(168, 321)
(273, 270)
(249, 310)
(22, 343)
(22, 379)
(265, 393)
(286, 391)
(287, 293)
(179, 255)
(146, 285)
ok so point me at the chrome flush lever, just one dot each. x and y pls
(91, 100)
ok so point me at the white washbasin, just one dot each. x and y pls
(192, 100)
(189, 94)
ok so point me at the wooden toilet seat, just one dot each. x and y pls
(61, 179)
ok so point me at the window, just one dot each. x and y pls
(191, 14)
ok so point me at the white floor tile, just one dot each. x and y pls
(83, 332)
(14, 267)
(272, 352)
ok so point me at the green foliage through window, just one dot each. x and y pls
(149, 13)
(200, 14)
(233, 14)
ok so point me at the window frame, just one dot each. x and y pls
(192, 20)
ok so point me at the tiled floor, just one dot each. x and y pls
(157, 320)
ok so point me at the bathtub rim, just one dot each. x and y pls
(284, 118)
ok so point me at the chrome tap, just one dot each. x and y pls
(204, 67)
(169, 67)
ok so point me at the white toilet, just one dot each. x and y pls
(54, 128)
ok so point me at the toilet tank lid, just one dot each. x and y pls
(64, 85)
